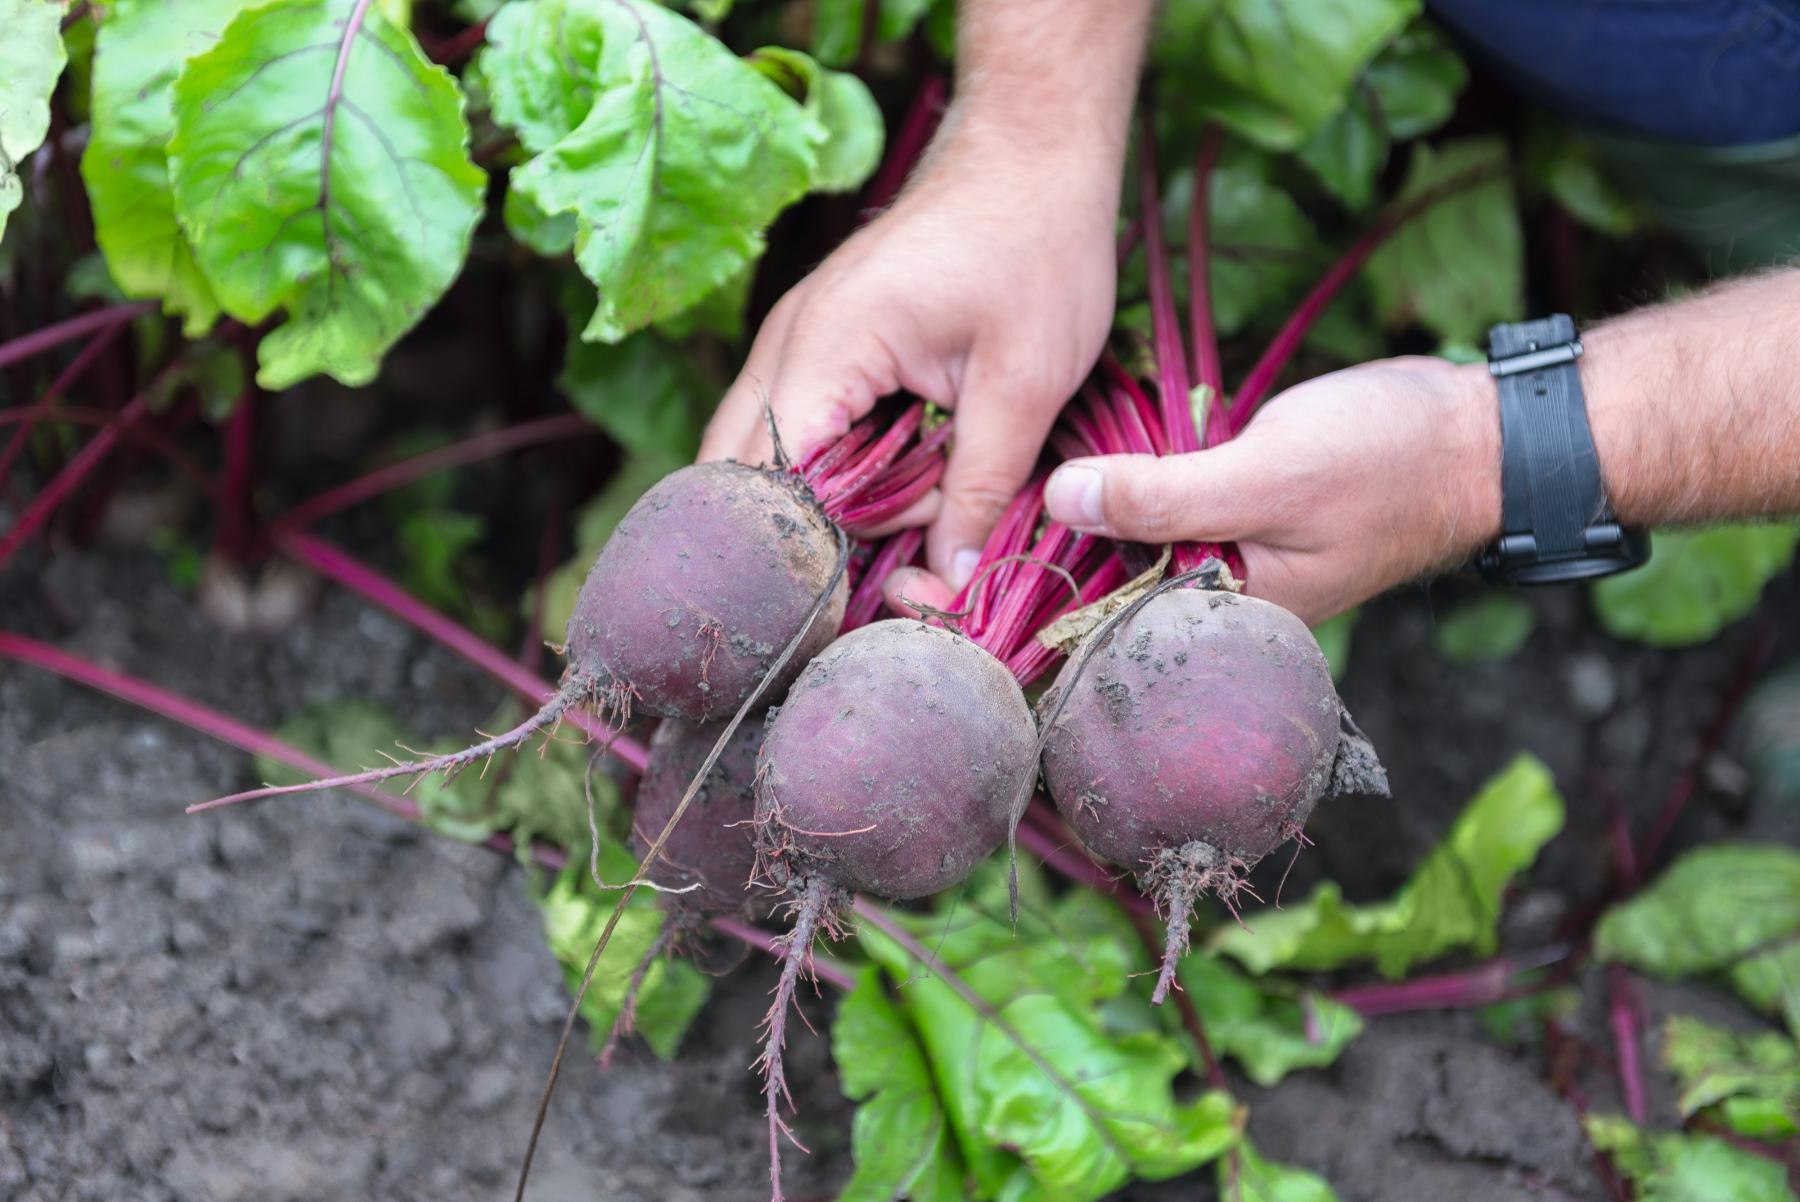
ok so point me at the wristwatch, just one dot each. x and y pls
(1556, 524)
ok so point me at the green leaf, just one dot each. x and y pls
(1333, 635)
(1458, 267)
(1452, 900)
(1563, 163)
(1753, 1081)
(1046, 1101)
(1725, 907)
(1408, 91)
(140, 47)
(542, 65)
(720, 311)
(575, 913)
(433, 544)
(1696, 583)
(847, 129)
(1245, 1176)
(321, 168)
(642, 392)
(900, 1139)
(685, 156)
(1493, 626)
(1268, 1033)
(1273, 70)
(1668, 1167)
(837, 31)
(31, 59)
(1263, 247)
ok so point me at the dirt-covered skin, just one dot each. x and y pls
(1206, 716)
(697, 592)
(892, 766)
(712, 844)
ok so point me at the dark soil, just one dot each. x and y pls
(310, 1000)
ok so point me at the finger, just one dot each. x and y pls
(736, 429)
(920, 513)
(1210, 496)
(905, 588)
(833, 369)
(996, 444)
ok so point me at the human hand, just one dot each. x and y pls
(1340, 488)
(987, 289)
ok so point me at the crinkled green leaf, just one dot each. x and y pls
(541, 61)
(575, 913)
(1493, 626)
(1725, 907)
(31, 59)
(1671, 1167)
(720, 311)
(434, 544)
(642, 392)
(847, 129)
(321, 168)
(1333, 635)
(1458, 267)
(140, 47)
(1408, 91)
(1246, 1176)
(837, 31)
(1753, 1081)
(684, 157)
(1452, 900)
(1046, 1100)
(1269, 1033)
(1696, 583)
(1770, 730)
(1273, 70)
(900, 1139)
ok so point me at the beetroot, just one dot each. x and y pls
(891, 769)
(1196, 738)
(711, 846)
(699, 589)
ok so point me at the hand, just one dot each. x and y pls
(987, 288)
(1340, 488)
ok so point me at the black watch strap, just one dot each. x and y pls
(1555, 521)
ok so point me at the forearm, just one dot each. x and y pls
(1046, 86)
(1695, 405)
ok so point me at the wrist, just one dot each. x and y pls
(1475, 458)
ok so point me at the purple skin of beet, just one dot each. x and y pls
(1197, 739)
(699, 589)
(712, 845)
(892, 766)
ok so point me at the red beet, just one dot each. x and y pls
(711, 846)
(699, 589)
(1196, 739)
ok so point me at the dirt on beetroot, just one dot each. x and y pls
(314, 1000)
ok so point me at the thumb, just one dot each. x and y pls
(1208, 496)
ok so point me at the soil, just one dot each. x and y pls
(312, 1000)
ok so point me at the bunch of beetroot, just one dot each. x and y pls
(1190, 733)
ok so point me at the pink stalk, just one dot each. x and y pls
(1622, 1017)
(1065, 856)
(1287, 340)
(66, 379)
(25, 346)
(1205, 340)
(1165, 319)
(824, 967)
(1483, 985)
(237, 508)
(458, 454)
(207, 721)
(332, 563)
(90, 456)
(916, 131)
(147, 435)
(459, 46)
(894, 552)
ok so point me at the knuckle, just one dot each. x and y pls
(1150, 503)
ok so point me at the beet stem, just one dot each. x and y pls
(1205, 338)
(26, 346)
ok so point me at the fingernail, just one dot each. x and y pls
(962, 566)
(1073, 495)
